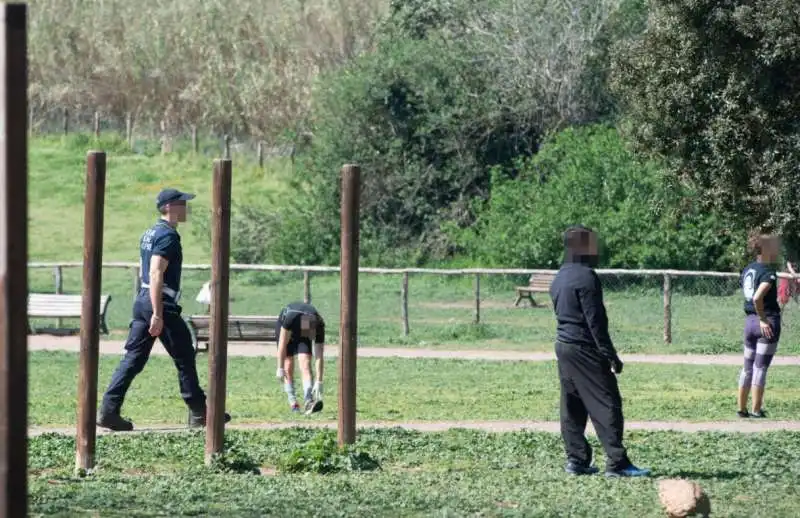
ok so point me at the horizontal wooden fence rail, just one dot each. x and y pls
(667, 275)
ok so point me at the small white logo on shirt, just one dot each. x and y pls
(749, 284)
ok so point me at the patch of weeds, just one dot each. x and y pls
(322, 455)
(235, 459)
(459, 331)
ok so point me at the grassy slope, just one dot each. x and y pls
(458, 473)
(57, 179)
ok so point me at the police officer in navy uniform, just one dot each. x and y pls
(157, 314)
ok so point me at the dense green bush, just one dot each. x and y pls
(430, 112)
(714, 87)
(586, 175)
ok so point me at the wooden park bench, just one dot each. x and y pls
(240, 329)
(538, 283)
(52, 305)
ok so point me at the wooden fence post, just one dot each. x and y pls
(96, 124)
(404, 303)
(261, 154)
(129, 129)
(66, 121)
(59, 278)
(306, 287)
(667, 309)
(477, 318)
(137, 281)
(195, 144)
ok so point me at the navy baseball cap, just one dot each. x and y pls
(171, 195)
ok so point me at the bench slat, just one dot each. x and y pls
(245, 328)
(59, 305)
(40, 305)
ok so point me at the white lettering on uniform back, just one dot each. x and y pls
(147, 246)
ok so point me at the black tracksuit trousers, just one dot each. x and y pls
(589, 389)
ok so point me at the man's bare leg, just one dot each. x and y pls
(310, 390)
(319, 350)
(305, 371)
(288, 383)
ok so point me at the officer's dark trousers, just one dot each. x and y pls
(589, 389)
(177, 341)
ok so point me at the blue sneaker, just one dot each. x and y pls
(630, 471)
(295, 407)
(577, 469)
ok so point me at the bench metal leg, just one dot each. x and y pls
(528, 296)
(103, 325)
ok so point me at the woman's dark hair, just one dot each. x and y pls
(755, 241)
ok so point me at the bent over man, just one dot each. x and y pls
(587, 361)
(157, 314)
(298, 326)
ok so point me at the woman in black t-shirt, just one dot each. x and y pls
(762, 328)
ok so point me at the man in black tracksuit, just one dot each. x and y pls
(587, 361)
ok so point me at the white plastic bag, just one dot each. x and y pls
(204, 297)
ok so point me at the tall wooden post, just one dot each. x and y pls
(13, 261)
(218, 333)
(90, 310)
(348, 324)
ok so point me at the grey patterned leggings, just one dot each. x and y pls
(758, 352)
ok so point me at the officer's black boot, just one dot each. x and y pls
(114, 422)
(197, 418)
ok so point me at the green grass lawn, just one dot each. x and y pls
(396, 389)
(452, 474)
(440, 309)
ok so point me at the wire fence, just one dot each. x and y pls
(148, 136)
(653, 310)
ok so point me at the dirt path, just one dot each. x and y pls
(54, 343)
(749, 426)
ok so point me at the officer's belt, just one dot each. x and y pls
(166, 290)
